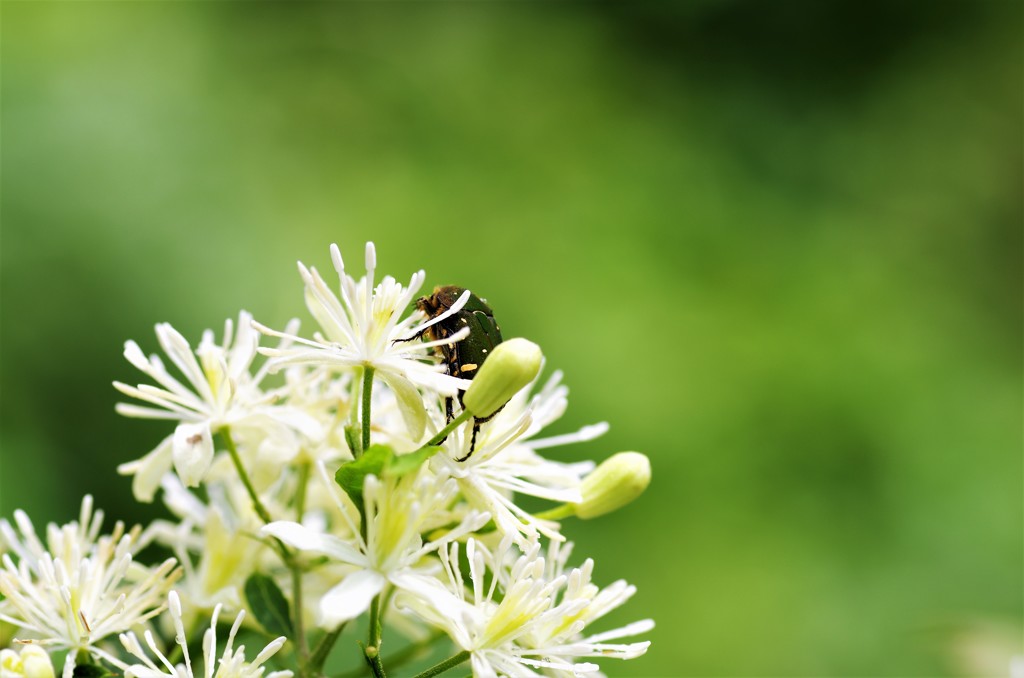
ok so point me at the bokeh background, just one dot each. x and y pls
(776, 245)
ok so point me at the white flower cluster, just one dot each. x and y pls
(371, 478)
(80, 587)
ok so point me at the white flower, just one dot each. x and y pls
(528, 617)
(326, 397)
(215, 543)
(505, 462)
(365, 328)
(557, 634)
(220, 392)
(231, 663)
(479, 618)
(31, 662)
(398, 512)
(80, 587)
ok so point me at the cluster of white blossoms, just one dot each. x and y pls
(351, 472)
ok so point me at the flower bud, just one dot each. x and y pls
(32, 662)
(619, 479)
(512, 365)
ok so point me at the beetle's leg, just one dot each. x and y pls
(415, 336)
(449, 416)
(472, 442)
(432, 333)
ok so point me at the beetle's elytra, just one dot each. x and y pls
(462, 358)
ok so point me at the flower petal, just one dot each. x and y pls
(192, 452)
(149, 470)
(305, 539)
(410, 404)
(350, 598)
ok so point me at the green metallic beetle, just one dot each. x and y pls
(462, 358)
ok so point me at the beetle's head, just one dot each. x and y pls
(441, 300)
(427, 305)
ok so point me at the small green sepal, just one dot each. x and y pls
(353, 438)
(352, 474)
(403, 464)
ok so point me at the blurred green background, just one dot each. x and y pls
(776, 245)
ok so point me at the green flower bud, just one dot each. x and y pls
(512, 365)
(619, 479)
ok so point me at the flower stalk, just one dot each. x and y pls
(323, 650)
(296, 570)
(367, 398)
(458, 421)
(443, 666)
(243, 475)
(372, 650)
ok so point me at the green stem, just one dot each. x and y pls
(372, 651)
(297, 623)
(261, 510)
(452, 425)
(385, 602)
(367, 392)
(404, 655)
(410, 651)
(300, 492)
(557, 513)
(323, 649)
(449, 663)
(352, 436)
(286, 555)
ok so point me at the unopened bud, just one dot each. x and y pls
(512, 365)
(31, 662)
(619, 479)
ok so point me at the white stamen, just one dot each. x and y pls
(455, 308)
(339, 263)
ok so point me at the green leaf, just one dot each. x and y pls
(268, 605)
(351, 475)
(91, 671)
(403, 464)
